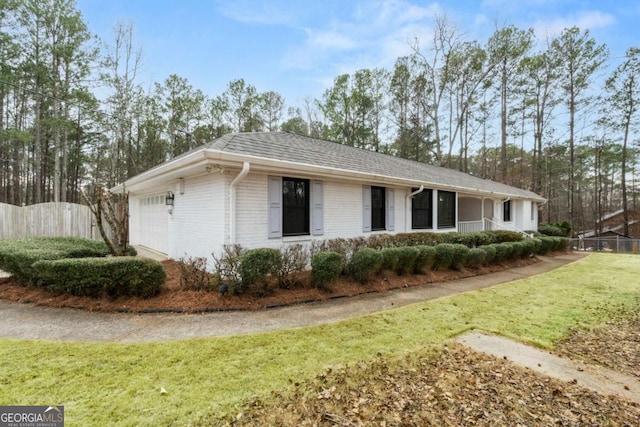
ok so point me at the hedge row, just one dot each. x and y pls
(79, 266)
(348, 247)
(366, 263)
(363, 258)
(18, 255)
(97, 277)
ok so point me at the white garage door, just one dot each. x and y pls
(154, 223)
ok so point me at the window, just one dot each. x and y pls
(446, 209)
(378, 208)
(533, 211)
(506, 211)
(422, 210)
(295, 206)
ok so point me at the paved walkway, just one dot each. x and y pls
(24, 321)
(597, 378)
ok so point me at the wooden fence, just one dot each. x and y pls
(47, 220)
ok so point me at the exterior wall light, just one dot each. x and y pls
(169, 198)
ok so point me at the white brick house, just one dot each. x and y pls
(273, 188)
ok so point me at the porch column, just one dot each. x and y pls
(482, 212)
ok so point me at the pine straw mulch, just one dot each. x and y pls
(458, 387)
(173, 298)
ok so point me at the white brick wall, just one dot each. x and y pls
(342, 212)
(197, 226)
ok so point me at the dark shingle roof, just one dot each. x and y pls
(317, 152)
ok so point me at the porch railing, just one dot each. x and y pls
(470, 226)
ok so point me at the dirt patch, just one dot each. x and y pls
(457, 387)
(173, 298)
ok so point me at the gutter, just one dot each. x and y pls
(246, 166)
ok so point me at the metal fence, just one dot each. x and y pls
(47, 220)
(606, 244)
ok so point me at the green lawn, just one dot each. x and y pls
(109, 384)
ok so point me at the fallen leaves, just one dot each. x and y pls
(458, 388)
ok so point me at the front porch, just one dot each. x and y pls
(484, 214)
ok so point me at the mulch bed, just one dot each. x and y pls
(174, 299)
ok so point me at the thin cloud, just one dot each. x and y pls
(259, 12)
(587, 20)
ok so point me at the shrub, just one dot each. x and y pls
(294, 261)
(560, 243)
(406, 260)
(325, 268)
(537, 245)
(470, 240)
(490, 252)
(503, 252)
(546, 245)
(425, 258)
(257, 266)
(529, 247)
(477, 257)
(444, 256)
(17, 255)
(517, 249)
(390, 258)
(227, 267)
(365, 264)
(551, 230)
(193, 274)
(97, 277)
(460, 254)
(501, 236)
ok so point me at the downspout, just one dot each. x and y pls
(407, 209)
(232, 203)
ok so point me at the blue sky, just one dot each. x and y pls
(297, 48)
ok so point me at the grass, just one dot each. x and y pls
(106, 384)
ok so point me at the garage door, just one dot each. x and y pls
(154, 223)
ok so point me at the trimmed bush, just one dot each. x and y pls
(390, 258)
(365, 264)
(325, 268)
(460, 255)
(406, 260)
(537, 244)
(444, 256)
(470, 240)
(476, 258)
(17, 255)
(546, 245)
(501, 236)
(97, 277)
(503, 252)
(490, 254)
(425, 259)
(560, 243)
(257, 266)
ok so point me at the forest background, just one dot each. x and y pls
(556, 116)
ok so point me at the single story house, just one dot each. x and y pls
(269, 189)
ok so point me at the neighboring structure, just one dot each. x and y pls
(274, 188)
(612, 225)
